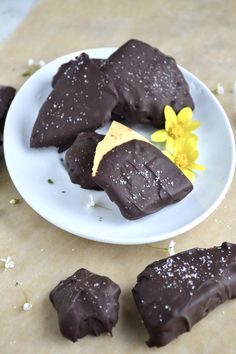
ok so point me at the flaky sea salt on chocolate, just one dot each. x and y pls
(173, 294)
(146, 80)
(82, 100)
(136, 175)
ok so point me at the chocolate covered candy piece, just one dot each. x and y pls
(146, 80)
(173, 294)
(98, 62)
(1, 143)
(79, 159)
(82, 100)
(7, 94)
(86, 303)
(62, 69)
(135, 174)
(66, 66)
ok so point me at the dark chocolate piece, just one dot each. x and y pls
(79, 159)
(82, 100)
(7, 93)
(173, 294)
(99, 62)
(66, 66)
(86, 303)
(1, 143)
(62, 69)
(140, 179)
(146, 80)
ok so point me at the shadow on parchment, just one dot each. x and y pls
(130, 319)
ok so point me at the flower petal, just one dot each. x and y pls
(168, 154)
(185, 115)
(179, 146)
(159, 136)
(196, 166)
(190, 144)
(192, 125)
(170, 117)
(188, 135)
(189, 174)
(170, 144)
(193, 155)
(194, 136)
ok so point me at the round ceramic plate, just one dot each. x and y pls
(65, 204)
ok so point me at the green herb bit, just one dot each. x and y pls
(50, 181)
(31, 70)
(15, 201)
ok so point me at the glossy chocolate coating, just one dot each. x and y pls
(82, 100)
(146, 80)
(173, 294)
(1, 143)
(79, 159)
(65, 66)
(7, 93)
(86, 303)
(61, 70)
(140, 179)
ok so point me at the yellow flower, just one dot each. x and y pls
(184, 156)
(176, 126)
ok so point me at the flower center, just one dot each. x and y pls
(181, 160)
(176, 131)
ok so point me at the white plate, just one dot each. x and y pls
(30, 169)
